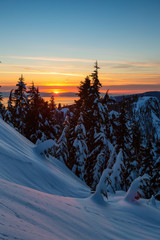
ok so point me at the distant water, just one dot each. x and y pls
(62, 100)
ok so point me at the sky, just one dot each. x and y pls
(56, 42)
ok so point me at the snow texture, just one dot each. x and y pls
(41, 199)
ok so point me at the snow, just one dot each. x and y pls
(135, 191)
(141, 101)
(28, 214)
(41, 199)
(147, 114)
(22, 163)
(43, 147)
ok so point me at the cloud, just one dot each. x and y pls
(35, 71)
(120, 64)
(53, 59)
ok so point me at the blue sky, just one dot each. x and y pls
(122, 35)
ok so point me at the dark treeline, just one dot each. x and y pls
(94, 134)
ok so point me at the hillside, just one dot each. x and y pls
(21, 163)
(42, 199)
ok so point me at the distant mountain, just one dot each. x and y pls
(146, 112)
(147, 94)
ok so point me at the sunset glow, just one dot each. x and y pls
(56, 92)
(57, 58)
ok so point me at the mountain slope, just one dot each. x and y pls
(21, 163)
(147, 113)
(28, 214)
(41, 199)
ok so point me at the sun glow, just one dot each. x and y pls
(56, 92)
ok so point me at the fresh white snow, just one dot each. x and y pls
(41, 199)
(23, 163)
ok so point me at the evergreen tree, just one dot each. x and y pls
(155, 180)
(40, 119)
(52, 104)
(81, 149)
(96, 85)
(2, 108)
(102, 153)
(34, 116)
(10, 109)
(20, 105)
(1, 98)
(123, 137)
(62, 152)
(148, 159)
(116, 180)
(96, 116)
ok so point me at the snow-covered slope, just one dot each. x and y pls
(21, 163)
(41, 199)
(28, 214)
(147, 114)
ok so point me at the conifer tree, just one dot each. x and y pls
(97, 132)
(39, 119)
(123, 138)
(10, 110)
(116, 179)
(2, 108)
(81, 149)
(147, 159)
(52, 104)
(62, 152)
(20, 105)
(1, 98)
(102, 153)
(96, 85)
(155, 180)
(34, 116)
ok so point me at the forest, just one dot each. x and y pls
(95, 136)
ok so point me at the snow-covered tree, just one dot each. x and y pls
(101, 189)
(81, 149)
(62, 152)
(155, 179)
(136, 190)
(118, 175)
(20, 105)
(102, 153)
(2, 108)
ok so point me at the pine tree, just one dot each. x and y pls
(136, 153)
(102, 153)
(52, 104)
(81, 149)
(10, 109)
(31, 92)
(123, 137)
(62, 152)
(1, 98)
(96, 83)
(155, 180)
(116, 180)
(20, 105)
(34, 118)
(96, 116)
(2, 108)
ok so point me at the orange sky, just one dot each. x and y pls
(65, 74)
